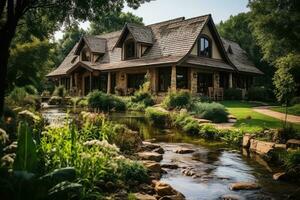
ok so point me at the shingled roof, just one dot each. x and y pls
(171, 41)
(95, 44)
(239, 57)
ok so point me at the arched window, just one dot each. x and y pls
(129, 49)
(204, 46)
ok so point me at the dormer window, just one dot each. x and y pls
(129, 49)
(204, 47)
(85, 55)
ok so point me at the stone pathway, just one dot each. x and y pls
(278, 115)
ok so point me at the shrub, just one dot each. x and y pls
(181, 99)
(55, 100)
(105, 102)
(258, 94)
(186, 122)
(208, 131)
(17, 94)
(295, 100)
(232, 136)
(212, 111)
(292, 163)
(59, 91)
(30, 89)
(157, 117)
(233, 94)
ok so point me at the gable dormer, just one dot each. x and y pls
(91, 48)
(134, 40)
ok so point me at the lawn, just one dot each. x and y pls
(249, 120)
(292, 110)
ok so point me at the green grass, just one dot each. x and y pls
(251, 121)
(292, 110)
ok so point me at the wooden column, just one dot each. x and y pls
(193, 78)
(108, 83)
(173, 78)
(216, 80)
(230, 80)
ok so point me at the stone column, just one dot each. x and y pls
(108, 83)
(193, 78)
(230, 80)
(173, 78)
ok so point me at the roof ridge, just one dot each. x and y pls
(207, 15)
(167, 21)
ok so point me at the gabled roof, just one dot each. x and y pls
(171, 42)
(239, 57)
(140, 33)
(95, 44)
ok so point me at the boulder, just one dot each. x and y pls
(146, 188)
(139, 196)
(148, 146)
(152, 166)
(244, 186)
(164, 189)
(150, 156)
(246, 140)
(159, 150)
(261, 147)
(280, 146)
(231, 197)
(280, 176)
(293, 143)
(173, 197)
(184, 151)
(170, 166)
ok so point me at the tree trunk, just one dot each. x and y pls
(5, 41)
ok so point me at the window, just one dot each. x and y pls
(204, 46)
(85, 55)
(182, 78)
(129, 49)
(135, 80)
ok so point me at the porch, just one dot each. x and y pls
(198, 81)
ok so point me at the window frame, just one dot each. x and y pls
(125, 49)
(205, 37)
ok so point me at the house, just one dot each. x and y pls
(176, 54)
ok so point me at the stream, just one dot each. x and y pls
(215, 165)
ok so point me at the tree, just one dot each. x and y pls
(237, 28)
(13, 13)
(112, 22)
(284, 82)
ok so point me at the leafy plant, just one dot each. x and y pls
(212, 111)
(26, 159)
(181, 99)
(233, 94)
(157, 117)
(59, 91)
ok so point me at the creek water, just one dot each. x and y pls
(217, 165)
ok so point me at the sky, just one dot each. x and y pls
(161, 10)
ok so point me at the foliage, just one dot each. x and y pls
(55, 100)
(26, 159)
(181, 99)
(143, 97)
(259, 94)
(237, 28)
(157, 117)
(20, 97)
(233, 94)
(186, 122)
(232, 136)
(283, 79)
(110, 22)
(59, 91)
(292, 163)
(212, 111)
(105, 102)
(30, 89)
(295, 100)
(208, 131)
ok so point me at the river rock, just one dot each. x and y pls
(139, 196)
(293, 143)
(170, 166)
(152, 166)
(159, 150)
(184, 151)
(150, 156)
(231, 197)
(246, 140)
(244, 186)
(148, 146)
(146, 188)
(164, 189)
(173, 197)
(280, 176)
(261, 147)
